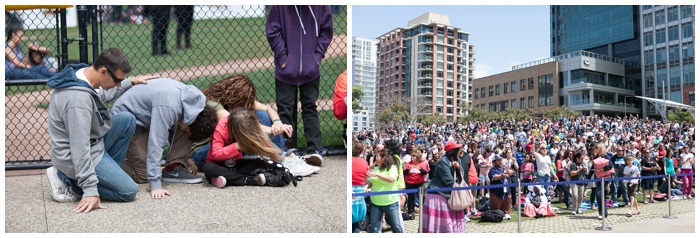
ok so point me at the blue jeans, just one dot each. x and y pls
(619, 187)
(391, 215)
(264, 119)
(36, 72)
(601, 200)
(544, 179)
(114, 184)
(200, 156)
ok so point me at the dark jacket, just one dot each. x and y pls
(299, 37)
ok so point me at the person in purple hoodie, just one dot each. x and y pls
(299, 37)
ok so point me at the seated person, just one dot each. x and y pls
(238, 91)
(19, 65)
(676, 185)
(536, 203)
(235, 134)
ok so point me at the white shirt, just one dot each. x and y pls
(543, 164)
(685, 160)
(631, 172)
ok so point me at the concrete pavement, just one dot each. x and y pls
(318, 204)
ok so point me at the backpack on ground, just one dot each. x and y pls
(658, 196)
(493, 216)
(276, 175)
(483, 204)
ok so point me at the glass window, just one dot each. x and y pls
(648, 57)
(648, 22)
(483, 92)
(687, 30)
(688, 50)
(505, 88)
(530, 83)
(689, 73)
(490, 91)
(661, 75)
(660, 36)
(648, 39)
(660, 17)
(476, 94)
(498, 89)
(672, 14)
(523, 85)
(686, 11)
(512, 103)
(522, 103)
(531, 101)
(673, 53)
(513, 87)
(674, 74)
(673, 33)
(647, 7)
(661, 55)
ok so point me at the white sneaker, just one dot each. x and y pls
(507, 217)
(573, 213)
(466, 218)
(297, 166)
(60, 191)
(579, 211)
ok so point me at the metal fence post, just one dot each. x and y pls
(602, 206)
(668, 197)
(82, 32)
(517, 202)
(421, 194)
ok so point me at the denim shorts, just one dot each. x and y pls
(484, 179)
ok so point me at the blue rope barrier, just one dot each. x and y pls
(513, 185)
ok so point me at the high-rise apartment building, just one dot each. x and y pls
(429, 64)
(668, 61)
(364, 74)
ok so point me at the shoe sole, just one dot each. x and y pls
(179, 180)
(303, 173)
(314, 160)
(219, 182)
(52, 175)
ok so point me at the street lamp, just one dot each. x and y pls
(626, 103)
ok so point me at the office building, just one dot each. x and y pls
(364, 74)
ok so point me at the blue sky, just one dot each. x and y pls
(503, 36)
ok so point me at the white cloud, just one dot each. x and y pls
(482, 70)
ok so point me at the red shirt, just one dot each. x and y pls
(414, 176)
(359, 171)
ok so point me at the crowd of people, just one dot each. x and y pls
(530, 150)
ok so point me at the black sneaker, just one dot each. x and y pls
(258, 180)
(274, 180)
(180, 175)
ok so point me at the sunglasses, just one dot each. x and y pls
(114, 77)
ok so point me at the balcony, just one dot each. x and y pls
(426, 59)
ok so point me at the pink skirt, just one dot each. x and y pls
(544, 209)
(439, 218)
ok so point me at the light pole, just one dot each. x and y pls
(626, 103)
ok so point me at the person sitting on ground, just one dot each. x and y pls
(18, 64)
(238, 133)
(87, 144)
(536, 203)
(238, 91)
(167, 112)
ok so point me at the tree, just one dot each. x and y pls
(357, 95)
(418, 106)
(429, 119)
(561, 112)
(396, 115)
(680, 115)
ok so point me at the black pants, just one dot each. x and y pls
(161, 18)
(412, 197)
(236, 176)
(308, 94)
(185, 15)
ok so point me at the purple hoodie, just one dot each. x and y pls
(299, 37)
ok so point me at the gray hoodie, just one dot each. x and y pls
(76, 148)
(158, 106)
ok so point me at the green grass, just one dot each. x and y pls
(331, 130)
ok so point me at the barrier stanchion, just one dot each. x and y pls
(517, 201)
(421, 194)
(668, 197)
(602, 206)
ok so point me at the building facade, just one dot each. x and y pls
(668, 46)
(364, 74)
(535, 87)
(429, 65)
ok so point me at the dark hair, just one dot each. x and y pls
(452, 154)
(203, 126)
(393, 147)
(387, 160)
(357, 148)
(113, 59)
(11, 31)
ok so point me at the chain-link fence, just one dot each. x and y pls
(198, 45)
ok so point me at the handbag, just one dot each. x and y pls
(359, 207)
(460, 199)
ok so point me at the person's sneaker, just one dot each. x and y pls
(573, 213)
(258, 180)
(314, 158)
(579, 211)
(600, 217)
(297, 166)
(60, 191)
(507, 217)
(219, 182)
(180, 175)
(466, 218)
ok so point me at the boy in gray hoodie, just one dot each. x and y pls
(87, 145)
(166, 111)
